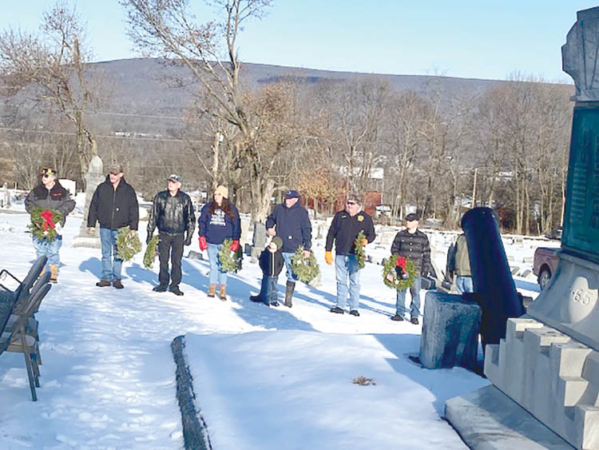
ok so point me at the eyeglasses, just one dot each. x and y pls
(45, 175)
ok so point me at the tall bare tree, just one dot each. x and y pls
(209, 51)
(51, 63)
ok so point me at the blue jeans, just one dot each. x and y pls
(111, 264)
(271, 289)
(347, 266)
(290, 275)
(400, 305)
(217, 276)
(43, 247)
(464, 284)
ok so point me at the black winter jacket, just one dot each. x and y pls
(293, 226)
(57, 198)
(416, 247)
(271, 263)
(344, 230)
(172, 215)
(112, 208)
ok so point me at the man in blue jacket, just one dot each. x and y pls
(290, 222)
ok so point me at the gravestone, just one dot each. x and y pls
(6, 195)
(259, 241)
(449, 332)
(94, 176)
(547, 365)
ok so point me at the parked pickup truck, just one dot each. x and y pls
(545, 264)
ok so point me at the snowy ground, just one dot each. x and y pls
(265, 378)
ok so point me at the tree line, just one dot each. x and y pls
(506, 147)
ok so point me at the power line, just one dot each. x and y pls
(127, 138)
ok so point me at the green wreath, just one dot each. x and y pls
(392, 279)
(151, 250)
(127, 243)
(43, 223)
(359, 249)
(227, 257)
(305, 269)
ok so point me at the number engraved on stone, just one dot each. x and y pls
(581, 296)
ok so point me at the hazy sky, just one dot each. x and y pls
(460, 38)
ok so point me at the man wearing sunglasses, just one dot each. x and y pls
(114, 205)
(344, 230)
(50, 195)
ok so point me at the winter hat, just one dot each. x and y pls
(278, 242)
(291, 194)
(115, 168)
(411, 217)
(221, 190)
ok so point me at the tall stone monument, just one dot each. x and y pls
(94, 176)
(547, 367)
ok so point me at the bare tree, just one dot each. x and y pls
(52, 64)
(209, 51)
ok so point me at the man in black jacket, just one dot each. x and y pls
(114, 205)
(290, 222)
(412, 243)
(173, 213)
(344, 230)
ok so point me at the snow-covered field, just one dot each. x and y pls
(265, 378)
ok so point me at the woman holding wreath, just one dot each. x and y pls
(219, 221)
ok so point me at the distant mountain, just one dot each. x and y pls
(142, 96)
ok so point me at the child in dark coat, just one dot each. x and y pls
(271, 262)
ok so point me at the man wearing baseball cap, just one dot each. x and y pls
(114, 205)
(290, 222)
(172, 212)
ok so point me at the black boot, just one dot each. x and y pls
(289, 294)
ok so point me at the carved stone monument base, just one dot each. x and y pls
(551, 375)
(569, 302)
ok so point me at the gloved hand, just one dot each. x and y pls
(328, 257)
(187, 240)
(234, 245)
(203, 243)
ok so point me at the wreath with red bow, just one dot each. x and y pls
(399, 272)
(44, 222)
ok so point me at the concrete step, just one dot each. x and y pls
(571, 390)
(587, 419)
(516, 327)
(590, 370)
(568, 358)
(488, 419)
(539, 340)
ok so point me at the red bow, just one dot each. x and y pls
(47, 216)
(401, 262)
